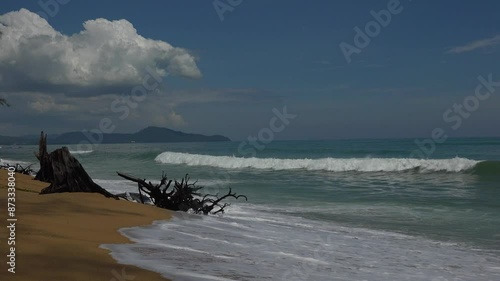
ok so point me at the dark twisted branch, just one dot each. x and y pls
(18, 168)
(184, 196)
(208, 208)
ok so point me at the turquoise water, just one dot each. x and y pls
(360, 186)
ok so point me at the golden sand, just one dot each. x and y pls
(58, 235)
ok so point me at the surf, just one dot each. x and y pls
(455, 165)
(81, 151)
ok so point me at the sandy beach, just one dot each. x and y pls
(58, 235)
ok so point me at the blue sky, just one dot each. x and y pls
(271, 54)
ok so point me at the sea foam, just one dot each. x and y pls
(293, 249)
(323, 164)
(81, 151)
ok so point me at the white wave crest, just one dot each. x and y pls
(14, 162)
(80, 151)
(324, 164)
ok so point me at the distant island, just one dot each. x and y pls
(147, 135)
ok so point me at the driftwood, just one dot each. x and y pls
(183, 196)
(64, 172)
(18, 169)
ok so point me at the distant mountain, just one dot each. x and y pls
(148, 135)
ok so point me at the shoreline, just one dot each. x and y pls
(59, 236)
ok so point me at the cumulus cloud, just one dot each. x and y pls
(104, 54)
(478, 44)
(65, 83)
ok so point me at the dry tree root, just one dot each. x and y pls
(18, 169)
(182, 196)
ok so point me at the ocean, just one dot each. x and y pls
(316, 210)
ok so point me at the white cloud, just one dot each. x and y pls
(104, 53)
(479, 44)
(69, 82)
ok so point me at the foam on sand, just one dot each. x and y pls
(294, 249)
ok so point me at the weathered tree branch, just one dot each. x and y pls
(18, 168)
(185, 196)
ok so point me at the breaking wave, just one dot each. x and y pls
(81, 151)
(329, 164)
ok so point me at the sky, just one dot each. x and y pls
(342, 69)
